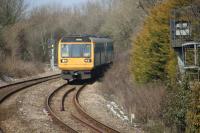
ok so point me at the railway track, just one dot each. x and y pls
(103, 128)
(54, 116)
(7, 90)
(82, 117)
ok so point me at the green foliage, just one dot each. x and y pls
(175, 105)
(153, 58)
(193, 115)
(151, 47)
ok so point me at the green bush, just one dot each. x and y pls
(193, 115)
(151, 51)
(175, 105)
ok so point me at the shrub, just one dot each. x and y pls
(142, 100)
(147, 100)
(193, 115)
(175, 105)
(151, 47)
(19, 69)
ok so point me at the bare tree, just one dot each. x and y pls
(145, 5)
(11, 11)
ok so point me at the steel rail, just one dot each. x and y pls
(96, 129)
(62, 108)
(53, 115)
(25, 81)
(8, 90)
(87, 116)
(58, 120)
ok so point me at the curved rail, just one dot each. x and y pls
(54, 116)
(88, 117)
(63, 98)
(25, 81)
(7, 90)
(88, 124)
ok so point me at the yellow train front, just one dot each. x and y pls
(84, 57)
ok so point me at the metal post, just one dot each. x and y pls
(198, 74)
(195, 54)
(51, 43)
(174, 26)
(184, 55)
(52, 57)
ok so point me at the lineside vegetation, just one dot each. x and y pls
(153, 59)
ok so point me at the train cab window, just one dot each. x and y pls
(86, 50)
(65, 51)
(76, 50)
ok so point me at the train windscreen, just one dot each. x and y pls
(76, 50)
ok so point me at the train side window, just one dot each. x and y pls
(112, 48)
(102, 47)
(97, 48)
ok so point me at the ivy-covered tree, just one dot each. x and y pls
(153, 58)
(175, 106)
(151, 47)
(193, 115)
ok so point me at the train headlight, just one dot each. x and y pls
(64, 60)
(87, 60)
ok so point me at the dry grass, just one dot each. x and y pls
(148, 100)
(18, 69)
(142, 100)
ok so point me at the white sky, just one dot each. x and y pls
(37, 3)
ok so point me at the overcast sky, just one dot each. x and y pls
(37, 3)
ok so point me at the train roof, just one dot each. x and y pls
(85, 38)
(93, 39)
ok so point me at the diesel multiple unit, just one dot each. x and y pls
(83, 57)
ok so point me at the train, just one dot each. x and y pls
(84, 56)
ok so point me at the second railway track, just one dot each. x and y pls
(78, 114)
(7, 90)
